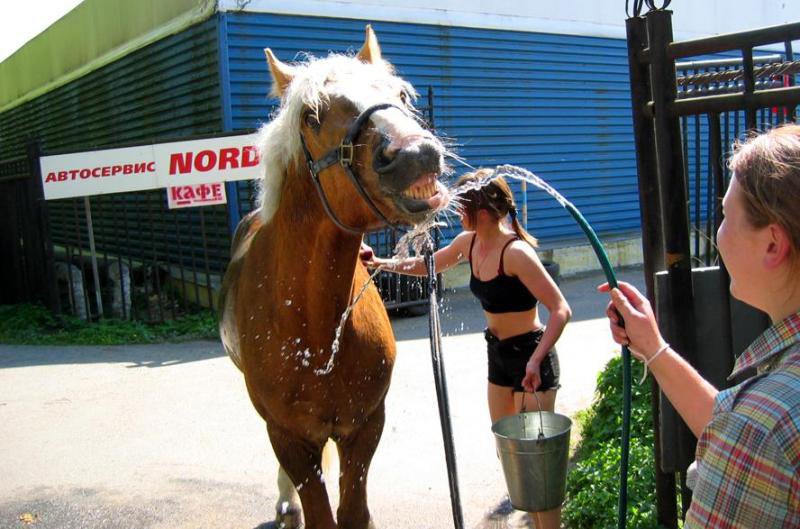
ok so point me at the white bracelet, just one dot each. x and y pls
(650, 360)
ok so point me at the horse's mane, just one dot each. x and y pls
(314, 82)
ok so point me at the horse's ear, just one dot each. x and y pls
(370, 51)
(282, 73)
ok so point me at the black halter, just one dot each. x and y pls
(343, 155)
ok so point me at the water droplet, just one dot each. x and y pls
(288, 302)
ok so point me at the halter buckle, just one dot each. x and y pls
(346, 153)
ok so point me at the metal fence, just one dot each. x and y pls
(685, 116)
(709, 77)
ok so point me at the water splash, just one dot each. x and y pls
(418, 238)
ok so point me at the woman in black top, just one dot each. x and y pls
(509, 280)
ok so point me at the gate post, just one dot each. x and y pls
(677, 319)
(652, 239)
(39, 247)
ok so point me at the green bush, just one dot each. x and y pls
(35, 325)
(593, 480)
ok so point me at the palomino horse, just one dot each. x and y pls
(344, 154)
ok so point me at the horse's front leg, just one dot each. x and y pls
(302, 462)
(355, 455)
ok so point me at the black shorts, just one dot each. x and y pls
(508, 358)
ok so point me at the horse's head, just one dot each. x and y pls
(325, 102)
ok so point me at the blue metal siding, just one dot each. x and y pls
(557, 105)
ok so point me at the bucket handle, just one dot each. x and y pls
(541, 419)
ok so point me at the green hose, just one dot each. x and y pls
(622, 505)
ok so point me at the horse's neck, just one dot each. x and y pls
(318, 260)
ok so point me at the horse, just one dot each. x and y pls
(344, 153)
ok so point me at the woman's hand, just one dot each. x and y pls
(367, 256)
(640, 331)
(533, 378)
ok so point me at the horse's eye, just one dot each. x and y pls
(311, 119)
(404, 97)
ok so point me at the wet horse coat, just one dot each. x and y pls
(294, 271)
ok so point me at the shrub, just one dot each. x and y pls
(35, 325)
(593, 480)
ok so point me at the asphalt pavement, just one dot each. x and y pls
(164, 436)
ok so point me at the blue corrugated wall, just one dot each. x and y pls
(558, 105)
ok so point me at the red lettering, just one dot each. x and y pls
(151, 167)
(62, 176)
(127, 168)
(249, 156)
(74, 174)
(176, 193)
(116, 169)
(205, 160)
(85, 173)
(51, 177)
(179, 163)
(106, 171)
(228, 157)
(217, 189)
(96, 172)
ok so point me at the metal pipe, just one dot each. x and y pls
(93, 251)
(727, 42)
(730, 102)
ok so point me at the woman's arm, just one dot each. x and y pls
(690, 393)
(444, 258)
(522, 261)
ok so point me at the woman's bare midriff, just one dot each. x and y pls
(508, 324)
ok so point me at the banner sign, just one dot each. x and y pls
(163, 165)
(196, 195)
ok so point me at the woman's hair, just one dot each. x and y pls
(767, 168)
(495, 197)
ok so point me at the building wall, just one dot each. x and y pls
(557, 105)
(596, 18)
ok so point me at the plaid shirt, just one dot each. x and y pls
(748, 457)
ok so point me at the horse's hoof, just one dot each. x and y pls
(288, 517)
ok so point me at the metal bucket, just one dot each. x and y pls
(534, 450)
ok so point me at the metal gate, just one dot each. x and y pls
(690, 101)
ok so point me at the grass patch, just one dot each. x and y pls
(35, 325)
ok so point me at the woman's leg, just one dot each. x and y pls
(544, 519)
(501, 402)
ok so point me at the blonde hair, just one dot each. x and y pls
(767, 169)
(495, 197)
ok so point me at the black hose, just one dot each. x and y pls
(441, 390)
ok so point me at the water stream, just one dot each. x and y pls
(414, 242)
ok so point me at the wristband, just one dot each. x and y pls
(650, 360)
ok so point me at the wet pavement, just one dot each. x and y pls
(164, 436)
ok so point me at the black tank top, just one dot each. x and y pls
(502, 293)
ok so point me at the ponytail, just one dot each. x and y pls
(519, 230)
